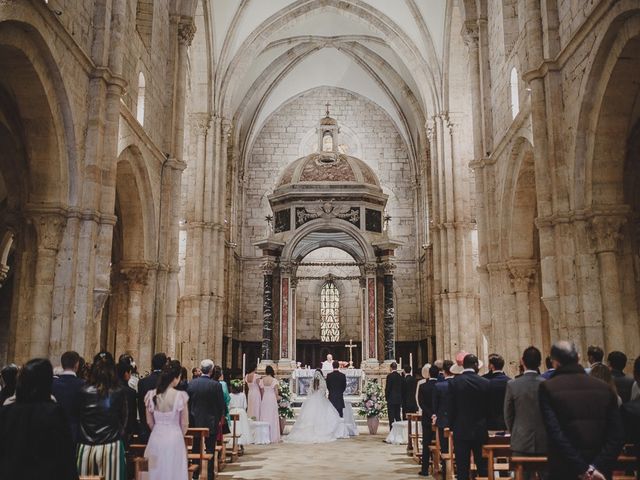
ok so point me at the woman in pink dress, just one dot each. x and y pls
(168, 419)
(254, 398)
(269, 404)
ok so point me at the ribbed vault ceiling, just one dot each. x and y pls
(263, 53)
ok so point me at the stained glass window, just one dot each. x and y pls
(329, 313)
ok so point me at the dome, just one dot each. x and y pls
(328, 168)
(328, 121)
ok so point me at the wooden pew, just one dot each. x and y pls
(235, 451)
(202, 458)
(413, 419)
(410, 434)
(90, 477)
(522, 464)
(491, 452)
(450, 457)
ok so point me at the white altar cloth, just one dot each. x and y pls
(303, 377)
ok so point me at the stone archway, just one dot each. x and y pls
(38, 183)
(128, 320)
(604, 179)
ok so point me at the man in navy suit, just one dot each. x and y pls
(66, 390)
(468, 416)
(425, 400)
(497, 389)
(206, 405)
(442, 405)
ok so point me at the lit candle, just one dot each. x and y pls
(400, 364)
(244, 365)
(411, 360)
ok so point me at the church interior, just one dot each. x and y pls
(272, 181)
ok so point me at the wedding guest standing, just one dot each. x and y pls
(617, 362)
(145, 384)
(522, 408)
(254, 398)
(66, 389)
(409, 404)
(393, 394)
(35, 438)
(103, 419)
(425, 399)
(124, 370)
(441, 407)
(206, 405)
(225, 421)
(167, 415)
(582, 419)
(269, 404)
(497, 388)
(468, 416)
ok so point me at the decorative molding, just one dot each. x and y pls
(49, 227)
(186, 32)
(522, 273)
(606, 232)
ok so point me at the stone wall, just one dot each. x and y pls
(284, 137)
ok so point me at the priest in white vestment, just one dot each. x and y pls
(328, 363)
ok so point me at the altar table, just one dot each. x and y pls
(303, 378)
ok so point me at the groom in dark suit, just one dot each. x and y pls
(337, 384)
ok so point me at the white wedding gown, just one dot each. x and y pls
(318, 421)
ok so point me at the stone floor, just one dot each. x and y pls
(362, 457)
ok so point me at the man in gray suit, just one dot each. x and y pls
(522, 409)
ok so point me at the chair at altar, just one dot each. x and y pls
(260, 432)
(349, 419)
(399, 434)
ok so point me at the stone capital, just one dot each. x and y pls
(186, 32)
(268, 266)
(605, 232)
(49, 228)
(293, 282)
(226, 126)
(471, 34)
(388, 267)
(286, 268)
(176, 164)
(136, 276)
(370, 268)
(522, 273)
(200, 122)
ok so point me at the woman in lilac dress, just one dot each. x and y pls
(168, 419)
(269, 404)
(254, 398)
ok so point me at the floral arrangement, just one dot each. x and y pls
(373, 402)
(284, 403)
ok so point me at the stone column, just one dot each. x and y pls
(522, 274)
(389, 313)
(136, 278)
(606, 233)
(370, 314)
(293, 284)
(49, 228)
(267, 309)
(285, 312)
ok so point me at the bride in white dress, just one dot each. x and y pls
(318, 421)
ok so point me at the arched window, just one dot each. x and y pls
(515, 100)
(141, 93)
(329, 312)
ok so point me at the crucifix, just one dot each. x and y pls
(327, 105)
(351, 346)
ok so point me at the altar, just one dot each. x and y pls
(302, 378)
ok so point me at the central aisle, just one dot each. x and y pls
(364, 456)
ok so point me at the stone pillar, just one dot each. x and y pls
(136, 278)
(522, 274)
(606, 233)
(370, 314)
(49, 228)
(293, 284)
(267, 309)
(389, 313)
(285, 312)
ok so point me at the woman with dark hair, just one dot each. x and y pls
(103, 420)
(9, 375)
(184, 380)
(225, 421)
(35, 438)
(269, 404)
(168, 418)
